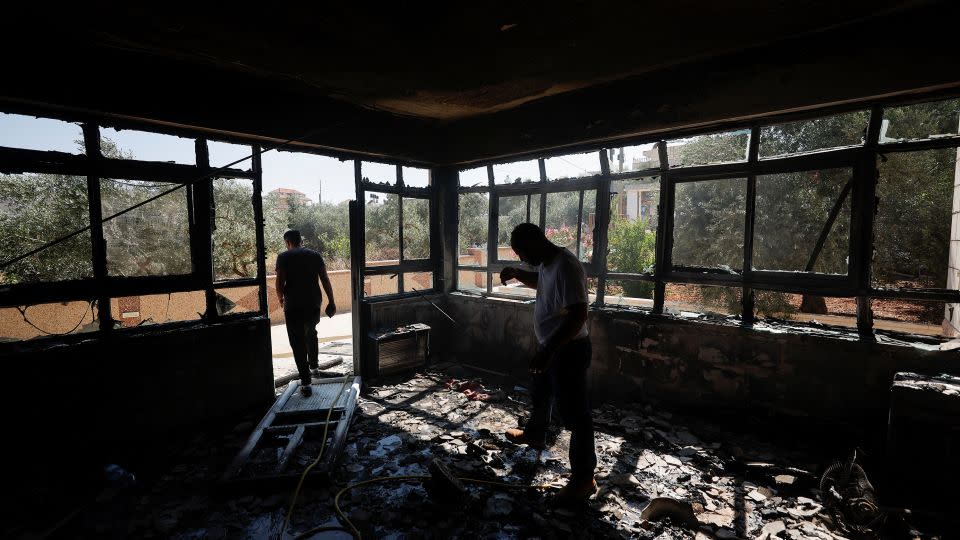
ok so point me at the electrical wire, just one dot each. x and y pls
(23, 314)
(323, 443)
(209, 174)
(572, 163)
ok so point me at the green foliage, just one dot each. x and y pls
(38, 208)
(382, 223)
(708, 223)
(632, 249)
(325, 227)
(912, 228)
(235, 237)
(513, 211)
(815, 134)
(773, 304)
(416, 228)
(151, 240)
(474, 212)
(710, 148)
(791, 211)
(563, 208)
(727, 299)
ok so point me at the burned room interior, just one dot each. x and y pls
(714, 245)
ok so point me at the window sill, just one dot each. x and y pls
(766, 327)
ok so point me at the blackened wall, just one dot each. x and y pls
(705, 364)
(109, 397)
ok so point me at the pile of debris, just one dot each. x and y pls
(657, 479)
(660, 476)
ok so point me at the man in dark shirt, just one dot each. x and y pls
(298, 269)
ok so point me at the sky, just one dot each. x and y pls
(308, 173)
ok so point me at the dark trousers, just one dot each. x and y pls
(565, 383)
(302, 332)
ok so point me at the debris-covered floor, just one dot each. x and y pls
(696, 479)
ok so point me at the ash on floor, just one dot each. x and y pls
(693, 478)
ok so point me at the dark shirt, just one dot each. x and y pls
(301, 289)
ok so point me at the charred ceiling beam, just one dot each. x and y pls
(839, 68)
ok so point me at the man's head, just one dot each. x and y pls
(292, 238)
(530, 244)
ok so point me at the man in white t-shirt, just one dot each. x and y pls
(559, 368)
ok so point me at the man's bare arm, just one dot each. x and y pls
(524, 276)
(328, 290)
(281, 278)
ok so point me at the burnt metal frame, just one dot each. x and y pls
(432, 264)
(861, 159)
(201, 215)
(541, 187)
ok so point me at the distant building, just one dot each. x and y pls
(638, 200)
(284, 195)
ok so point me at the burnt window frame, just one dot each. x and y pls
(431, 264)
(538, 188)
(861, 159)
(196, 179)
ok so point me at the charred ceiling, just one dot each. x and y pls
(454, 84)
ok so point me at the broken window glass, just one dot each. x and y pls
(474, 177)
(46, 134)
(562, 215)
(805, 308)
(632, 230)
(588, 219)
(380, 285)
(417, 281)
(472, 229)
(793, 212)
(633, 158)
(628, 293)
(222, 154)
(382, 228)
(235, 236)
(929, 120)
(52, 319)
(379, 173)
(147, 146)
(572, 166)
(472, 280)
(416, 228)
(234, 300)
(517, 172)
(816, 134)
(415, 177)
(681, 298)
(513, 211)
(708, 224)
(726, 147)
(927, 318)
(36, 209)
(917, 202)
(151, 240)
(150, 309)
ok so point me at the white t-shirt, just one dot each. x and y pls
(561, 283)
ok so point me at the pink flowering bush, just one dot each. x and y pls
(562, 236)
